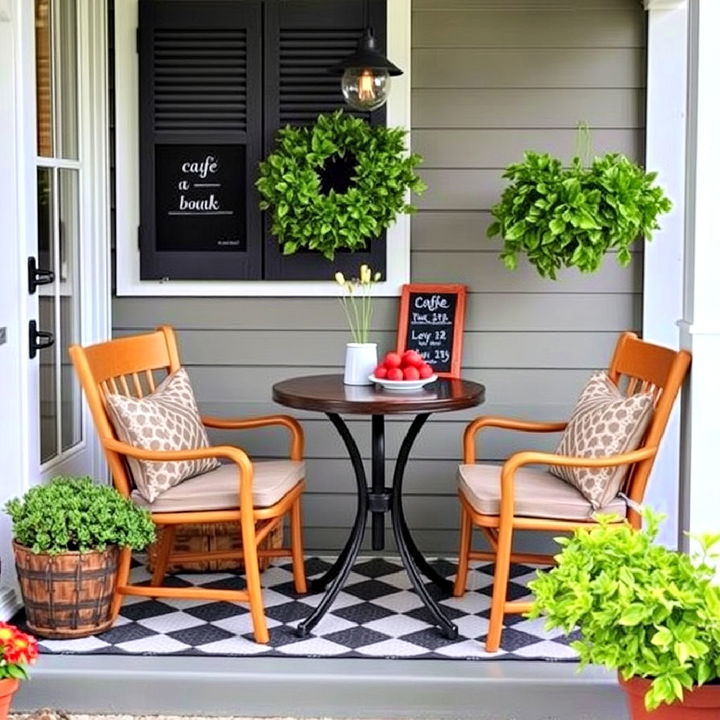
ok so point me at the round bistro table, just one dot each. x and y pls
(328, 394)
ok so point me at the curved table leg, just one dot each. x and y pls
(412, 559)
(336, 575)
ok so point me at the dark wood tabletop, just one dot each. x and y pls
(328, 394)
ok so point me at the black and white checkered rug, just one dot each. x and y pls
(376, 615)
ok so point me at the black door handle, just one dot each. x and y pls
(38, 339)
(38, 276)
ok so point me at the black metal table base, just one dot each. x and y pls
(378, 500)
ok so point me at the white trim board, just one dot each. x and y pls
(127, 173)
(664, 4)
(663, 258)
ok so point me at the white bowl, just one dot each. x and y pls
(403, 385)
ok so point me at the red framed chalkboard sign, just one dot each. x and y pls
(431, 321)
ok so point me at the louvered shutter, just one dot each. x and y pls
(303, 38)
(200, 71)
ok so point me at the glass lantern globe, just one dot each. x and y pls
(365, 89)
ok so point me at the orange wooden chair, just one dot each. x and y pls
(507, 500)
(128, 366)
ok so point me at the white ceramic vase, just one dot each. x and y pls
(360, 361)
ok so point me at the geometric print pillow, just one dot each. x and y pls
(167, 419)
(604, 422)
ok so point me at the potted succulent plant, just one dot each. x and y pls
(651, 613)
(67, 535)
(17, 651)
(571, 216)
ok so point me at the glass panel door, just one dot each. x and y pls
(58, 178)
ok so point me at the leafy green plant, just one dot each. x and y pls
(74, 513)
(571, 216)
(307, 212)
(640, 608)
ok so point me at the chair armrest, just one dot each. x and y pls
(236, 455)
(505, 424)
(531, 457)
(297, 438)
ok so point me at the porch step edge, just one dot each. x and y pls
(319, 687)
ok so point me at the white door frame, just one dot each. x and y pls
(18, 414)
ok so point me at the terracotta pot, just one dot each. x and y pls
(702, 703)
(8, 686)
(67, 595)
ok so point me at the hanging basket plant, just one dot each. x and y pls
(336, 184)
(571, 216)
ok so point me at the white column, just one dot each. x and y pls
(663, 257)
(700, 327)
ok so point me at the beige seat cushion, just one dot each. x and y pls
(218, 489)
(537, 494)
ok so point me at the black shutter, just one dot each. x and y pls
(200, 138)
(303, 38)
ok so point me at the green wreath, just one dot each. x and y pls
(336, 184)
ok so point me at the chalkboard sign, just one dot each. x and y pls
(200, 198)
(431, 321)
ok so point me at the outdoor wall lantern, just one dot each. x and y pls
(366, 75)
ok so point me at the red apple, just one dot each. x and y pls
(380, 371)
(392, 360)
(411, 373)
(395, 374)
(412, 358)
(425, 371)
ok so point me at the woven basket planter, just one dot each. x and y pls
(67, 595)
(206, 537)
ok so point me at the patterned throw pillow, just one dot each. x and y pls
(167, 419)
(604, 422)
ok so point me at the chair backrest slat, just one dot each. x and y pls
(104, 367)
(138, 387)
(660, 371)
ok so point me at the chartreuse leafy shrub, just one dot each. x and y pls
(642, 609)
(74, 513)
(310, 211)
(571, 216)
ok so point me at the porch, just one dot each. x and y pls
(532, 342)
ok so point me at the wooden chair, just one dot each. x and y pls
(645, 367)
(128, 366)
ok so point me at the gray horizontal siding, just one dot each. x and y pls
(479, 27)
(215, 348)
(531, 312)
(491, 79)
(534, 68)
(528, 108)
(435, 6)
(498, 148)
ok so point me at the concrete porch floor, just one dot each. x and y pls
(314, 687)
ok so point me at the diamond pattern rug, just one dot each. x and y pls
(376, 615)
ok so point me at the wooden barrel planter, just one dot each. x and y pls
(67, 595)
